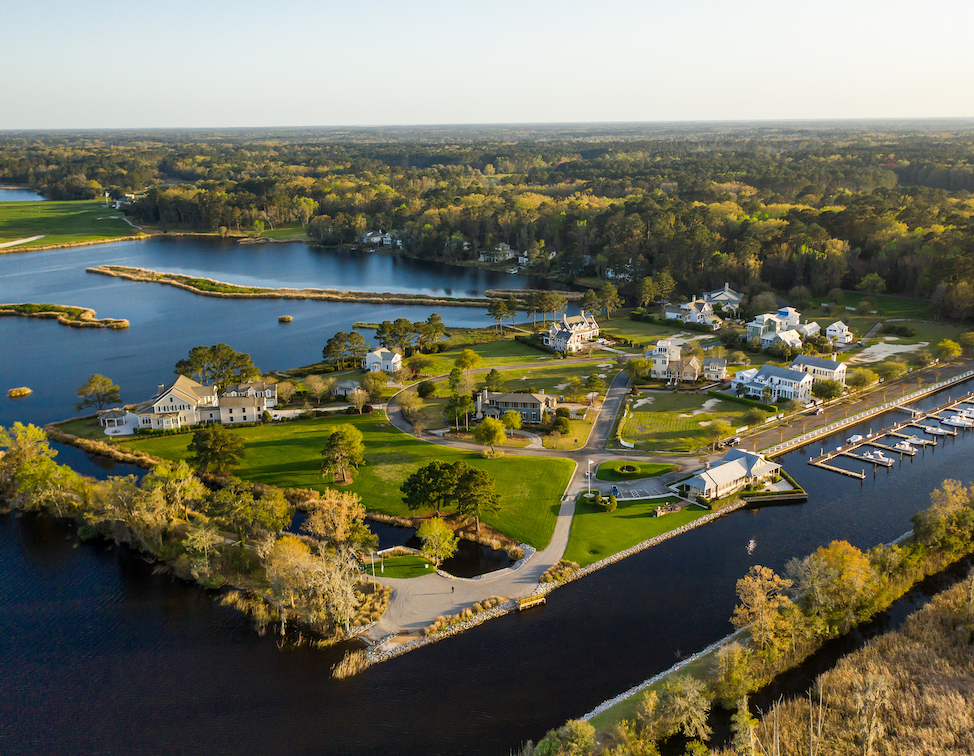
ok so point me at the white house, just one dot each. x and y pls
(382, 359)
(789, 338)
(771, 382)
(810, 328)
(531, 407)
(790, 317)
(500, 253)
(379, 239)
(764, 324)
(569, 334)
(820, 369)
(266, 391)
(694, 311)
(177, 405)
(839, 333)
(735, 471)
(344, 388)
(715, 368)
(669, 364)
(727, 298)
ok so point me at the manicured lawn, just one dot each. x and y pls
(405, 566)
(60, 222)
(577, 435)
(677, 422)
(610, 470)
(644, 333)
(553, 379)
(290, 232)
(597, 534)
(85, 429)
(289, 455)
(494, 353)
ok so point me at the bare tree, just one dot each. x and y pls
(358, 399)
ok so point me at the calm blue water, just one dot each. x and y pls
(19, 195)
(113, 659)
(165, 323)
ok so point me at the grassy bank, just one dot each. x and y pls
(597, 534)
(75, 317)
(612, 470)
(60, 223)
(288, 455)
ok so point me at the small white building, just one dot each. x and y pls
(811, 328)
(571, 333)
(727, 298)
(789, 338)
(820, 369)
(382, 360)
(839, 333)
(735, 471)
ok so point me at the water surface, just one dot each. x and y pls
(19, 195)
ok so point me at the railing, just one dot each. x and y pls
(865, 414)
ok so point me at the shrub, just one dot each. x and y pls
(559, 572)
(611, 503)
(285, 319)
(563, 412)
(266, 417)
(426, 389)
(561, 425)
(368, 409)
(744, 400)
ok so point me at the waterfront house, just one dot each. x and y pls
(571, 333)
(820, 369)
(839, 333)
(176, 405)
(738, 469)
(379, 239)
(500, 253)
(382, 359)
(531, 407)
(266, 391)
(694, 311)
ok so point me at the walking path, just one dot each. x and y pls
(15, 242)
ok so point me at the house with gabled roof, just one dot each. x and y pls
(820, 369)
(266, 391)
(738, 469)
(571, 333)
(728, 299)
(772, 382)
(531, 407)
(839, 333)
(382, 359)
(176, 405)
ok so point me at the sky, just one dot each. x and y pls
(221, 63)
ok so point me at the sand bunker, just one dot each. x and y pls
(605, 365)
(640, 402)
(707, 406)
(684, 336)
(880, 352)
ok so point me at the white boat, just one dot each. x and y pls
(934, 431)
(751, 545)
(958, 421)
(876, 456)
(903, 446)
(914, 440)
(854, 439)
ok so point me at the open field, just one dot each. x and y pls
(597, 534)
(492, 354)
(289, 232)
(404, 566)
(60, 223)
(645, 333)
(289, 455)
(610, 470)
(676, 422)
(554, 379)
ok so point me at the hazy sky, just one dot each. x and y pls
(297, 63)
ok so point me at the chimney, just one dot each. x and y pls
(161, 387)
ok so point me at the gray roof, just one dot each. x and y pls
(779, 372)
(350, 385)
(519, 397)
(804, 359)
(715, 362)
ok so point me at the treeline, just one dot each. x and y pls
(755, 208)
(789, 617)
(221, 531)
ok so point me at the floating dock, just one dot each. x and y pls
(529, 602)
(852, 450)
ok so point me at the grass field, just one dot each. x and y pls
(672, 422)
(60, 223)
(289, 455)
(644, 333)
(290, 232)
(597, 534)
(610, 470)
(553, 379)
(492, 354)
(405, 566)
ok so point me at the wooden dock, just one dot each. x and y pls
(529, 602)
(851, 450)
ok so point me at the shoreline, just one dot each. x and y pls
(86, 317)
(67, 245)
(180, 281)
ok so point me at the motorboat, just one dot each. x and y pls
(915, 440)
(904, 446)
(876, 456)
(854, 439)
(751, 545)
(958, 421)
(934, 431)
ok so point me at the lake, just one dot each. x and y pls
(19, 195)
(165, 323)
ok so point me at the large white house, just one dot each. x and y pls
(736, 470)
(253, 388)
(176, 405)
(820, 369)
(669, 364)
(694, 311)
(766, 324)
(382, 359)
(570, 333)
(531, 407)
(771, 382)
(727, 298)
(789, 338)
(839, 333)
(500, 253)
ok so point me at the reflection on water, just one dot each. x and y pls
(19, 195)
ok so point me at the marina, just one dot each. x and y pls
(871, 448)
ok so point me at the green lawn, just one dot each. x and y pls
(492, 354)
(644, 333)
(60, 222)
(553, 379)
(405, 566)
(288, 455)
(597, 534)
(672, 422)
(290, 232)
(85, 429)
(610, 470)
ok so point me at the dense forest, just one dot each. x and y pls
(760, 207)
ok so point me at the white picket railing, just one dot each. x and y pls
(865, 414)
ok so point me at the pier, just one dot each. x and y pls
(898, 430)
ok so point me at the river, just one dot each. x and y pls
(101, 654)
(10, 194)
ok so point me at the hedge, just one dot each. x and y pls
(744, 400)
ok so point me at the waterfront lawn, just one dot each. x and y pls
(289, 232)
(597, 534)
(60, 222)
(677, 422)
(610, 470)
(404, 566)
(88, 428)
(289, 455)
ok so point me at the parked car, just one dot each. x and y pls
(733, 441)
(614, 490)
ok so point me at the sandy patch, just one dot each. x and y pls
(26, 239)
(603, 375)
(605, 365)
(685, 336)
(561, 386)
(704, 423)
(703, 409)
(879, 352)
(640, 402)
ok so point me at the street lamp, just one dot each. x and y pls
(373, 568)
(590, 477)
